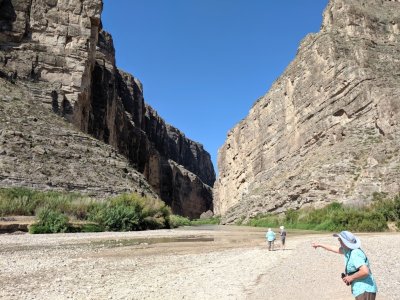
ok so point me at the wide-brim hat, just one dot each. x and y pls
(349, 239)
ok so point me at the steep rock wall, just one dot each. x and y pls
(328, 129)
(117, 114)
(53, 41)
(60, 59)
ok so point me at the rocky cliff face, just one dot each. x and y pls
(61, 63)
(328, 129)
(178, 169)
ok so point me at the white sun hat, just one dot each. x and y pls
(349, 239)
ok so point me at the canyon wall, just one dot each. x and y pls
(58, 64)
(328, 128)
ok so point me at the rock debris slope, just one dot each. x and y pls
(328, 129)
(57, 64)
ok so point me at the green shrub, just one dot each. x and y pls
(320, 217)
(341, 219)
(156, 215)
(23, 201)
(125, 212)
(291, 216)
(130, 212)
(38, 229)
(390, 208)
(17, 201)
(372, 221)
(215, 220)
(337, 217)
(79, 208)
(177, 221)
(154, 222)
(240, 221)
(50, 221)
(268, 220)
(397, 206)
(19, 206)
(386, 208)
(327, 225)
(120, 218)
(16, 192)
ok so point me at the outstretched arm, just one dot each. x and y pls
(334, 249)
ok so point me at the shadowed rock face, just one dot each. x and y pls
(178, 169)
(61, 62)
(328, 129)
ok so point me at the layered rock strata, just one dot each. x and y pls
(61, 61)
(41, 150)
(328, 129)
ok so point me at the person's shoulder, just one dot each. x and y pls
(358, 252)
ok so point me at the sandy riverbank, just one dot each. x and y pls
(222, 263)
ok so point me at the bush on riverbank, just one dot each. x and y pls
(178, 221)
(131, 212)
(55, 209)
(208, 221)
(50, 221)
(337, 217)
(26, 202)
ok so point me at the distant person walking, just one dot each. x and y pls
(357, 272)
(282, 233)
(270, 235)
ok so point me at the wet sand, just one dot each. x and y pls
(207, 262)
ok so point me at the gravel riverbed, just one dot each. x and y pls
(219, 262)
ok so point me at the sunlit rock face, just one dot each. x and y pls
(53, 41)
(58, 65)
(328, 129)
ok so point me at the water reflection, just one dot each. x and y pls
(150, 241)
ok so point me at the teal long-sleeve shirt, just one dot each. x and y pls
(270, 236)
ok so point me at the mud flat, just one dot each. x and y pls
(214, 262)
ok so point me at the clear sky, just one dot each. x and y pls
(203, 63)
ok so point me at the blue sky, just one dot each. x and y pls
(203, 63)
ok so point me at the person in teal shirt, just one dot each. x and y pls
(270, 235)
(357, 269)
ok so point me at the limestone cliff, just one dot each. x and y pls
(328, 129)
(59, 65)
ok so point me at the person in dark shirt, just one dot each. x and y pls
(282, 233)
